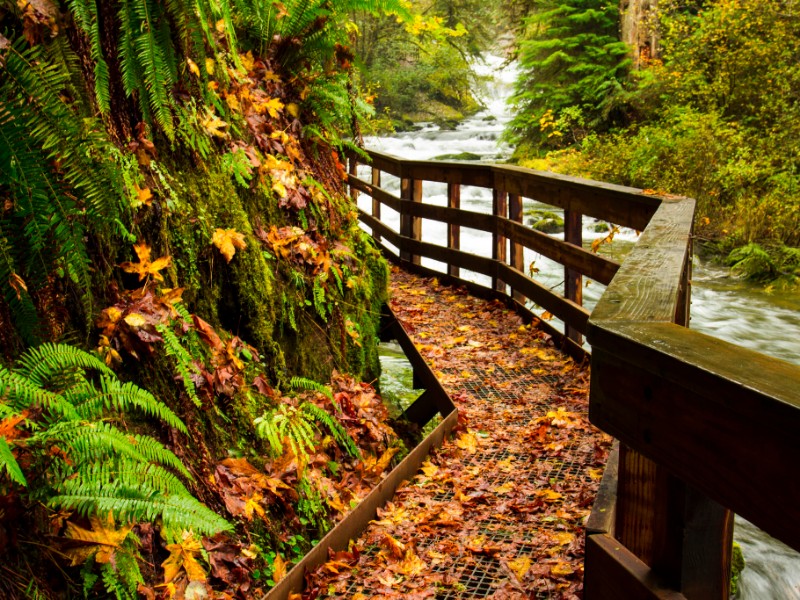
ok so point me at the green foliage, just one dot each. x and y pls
(99, 468)
(570, 57)
(182, 361)
(43, 234)
(298, 427)
(304, 383)
(707, 124)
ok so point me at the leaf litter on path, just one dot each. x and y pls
(499, 510)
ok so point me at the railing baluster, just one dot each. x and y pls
(353, 170)
(376, 205)
(453, 230)
(499, 209)
(573, 280)
(517, 257)
(410, 226)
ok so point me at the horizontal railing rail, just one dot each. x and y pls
(705, 426)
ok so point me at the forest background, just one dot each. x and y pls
(689, 97)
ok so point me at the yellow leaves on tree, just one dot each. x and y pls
(183, 556)
(102, 541)
(145, 267)
(227, 241)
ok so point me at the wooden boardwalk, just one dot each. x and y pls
(499, 511)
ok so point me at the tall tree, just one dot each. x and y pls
(572, 62)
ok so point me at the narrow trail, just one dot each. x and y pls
(498, 511)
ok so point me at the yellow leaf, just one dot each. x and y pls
(563, 538)
(468, 441)
(135, 320)
(233, 102)
(279, 189)
(520, 566)
(293, 109)
(210, 66)
(272, 106)
(411, 564)
(144, 267)
(193, 68)
(253, 505)
(562, 569)
(548, 495)
(220, 26)
(278, 568)
(144, 195)
(183, 556)
(270, 76)
(247, 61)
(214, 125)
(103, 539)
(429, 469)
(504, 489)
(228, 240)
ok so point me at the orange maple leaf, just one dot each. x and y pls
(145, 267)
(228, 240)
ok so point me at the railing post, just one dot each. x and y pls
(410, 226)
(353, 170)
(499, 209)
(376, 205)
(453, 230)
(573, 280)
(517, 257)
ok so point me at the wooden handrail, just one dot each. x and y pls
(705, 425)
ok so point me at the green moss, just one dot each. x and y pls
(737, 566)
(545, 221)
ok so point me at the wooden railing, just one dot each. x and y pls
(705, 426)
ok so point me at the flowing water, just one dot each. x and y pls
(722, 305)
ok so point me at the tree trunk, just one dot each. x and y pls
(639, 29)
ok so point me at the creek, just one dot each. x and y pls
(722, 305)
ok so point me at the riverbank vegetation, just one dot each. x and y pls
(188, 305)
(708, 108)
(421, 70)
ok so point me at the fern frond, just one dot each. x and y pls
(9, 463)
(22, 393)
(336, 429)
(92, 442)
(311, 385)
(177, 512)
(42, 363)
(130, 474)
(85, 12)
(182, 360)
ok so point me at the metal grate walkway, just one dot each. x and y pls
(498, 511)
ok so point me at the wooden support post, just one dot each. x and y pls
(682, 310)
(453, 231)
(376, 205)
(682, 535)
(517, 259)
(353, 170)
(499, 209)
(573, 280)
(410, 226)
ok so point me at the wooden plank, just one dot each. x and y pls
(614, 573)
(517, 257)
(602, 517)
(621, 205)
(646, 287)
(453, 230)
(499, 242)
(573, 282)
(660, 397)
(376, 204)
(379, 194)
(564, 309)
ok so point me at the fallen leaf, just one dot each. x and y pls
(144, 268)
(183, 555)
(278, 568)
(519, 566)
(103, 540)
(468, 441)
(227, 241)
